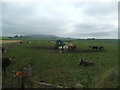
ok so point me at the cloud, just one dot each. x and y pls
(73, 19)
(98, 34)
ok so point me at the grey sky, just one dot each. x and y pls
(67, 19)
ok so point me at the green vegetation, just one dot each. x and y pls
(107, 79)
(49, 66)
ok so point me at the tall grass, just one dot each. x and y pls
(109, 79)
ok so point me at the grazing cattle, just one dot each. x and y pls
(93, 47)
(60, 48)
(96, 47)
(85, 63)
(5, 63)
(71, 46)
(66, 47)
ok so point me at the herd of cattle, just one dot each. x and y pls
(69, 47)
(66, 47)
(63, 47)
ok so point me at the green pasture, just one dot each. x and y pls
(50, 66)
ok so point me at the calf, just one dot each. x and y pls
(5, 63)
(85, 63)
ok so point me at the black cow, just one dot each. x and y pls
(100, 48)
(5, 63)
(3, 50)
(96, 47)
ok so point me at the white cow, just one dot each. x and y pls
(60, 48)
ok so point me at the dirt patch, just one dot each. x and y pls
(9, 41)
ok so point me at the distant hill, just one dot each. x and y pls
(42, 36)
(37, 36)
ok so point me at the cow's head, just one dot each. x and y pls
(81, 61)
(11, 58)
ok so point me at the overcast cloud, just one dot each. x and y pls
(66, 19)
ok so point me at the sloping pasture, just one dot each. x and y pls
(50, 66)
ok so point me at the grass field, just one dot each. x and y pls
(49, 66)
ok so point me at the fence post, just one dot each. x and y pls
(27, 76)
(23, 78)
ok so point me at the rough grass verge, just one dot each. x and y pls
(108, 79)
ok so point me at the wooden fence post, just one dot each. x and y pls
(23, 78)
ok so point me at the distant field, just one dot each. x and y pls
(49, 66)
(4, 38)
(8, 41)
